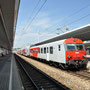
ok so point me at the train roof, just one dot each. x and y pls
(82, 33)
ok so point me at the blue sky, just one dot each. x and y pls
(55, 14)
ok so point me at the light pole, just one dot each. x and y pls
(67, 29)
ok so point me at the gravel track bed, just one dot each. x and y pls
(69, 80)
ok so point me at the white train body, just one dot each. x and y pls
(68, 51)
(27, 51)
(55, 55)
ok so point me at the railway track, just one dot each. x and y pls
(83, 74)
(34, 79)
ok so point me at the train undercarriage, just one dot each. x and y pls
(77, 63)
(74, 64)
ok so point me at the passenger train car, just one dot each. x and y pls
(66, 53)
(27, 51)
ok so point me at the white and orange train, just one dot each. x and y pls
(66, 53)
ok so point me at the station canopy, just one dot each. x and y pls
(82, 33)
(8, 19)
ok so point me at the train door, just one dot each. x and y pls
(47, 54)
(61, 53)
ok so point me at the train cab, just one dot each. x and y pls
(75, 52)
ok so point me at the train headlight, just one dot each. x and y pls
(69, 56)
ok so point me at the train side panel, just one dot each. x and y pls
(68, 51)
(54, 51)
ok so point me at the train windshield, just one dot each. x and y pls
(71, 47)
(75, 46)
(79, 46)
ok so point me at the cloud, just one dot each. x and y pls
(35, 35)
(21, 41)
(42, 22)
(42, 15)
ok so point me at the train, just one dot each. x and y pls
(64, 53)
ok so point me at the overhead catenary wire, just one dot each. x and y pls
(76, 12)
(35, 15)
(32, 13)
(77, 20)
(30, 16)
(63, 19)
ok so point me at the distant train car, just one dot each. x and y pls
(27, 51)
(67, 52)
(23, 51)
(20, 51)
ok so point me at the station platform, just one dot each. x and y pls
(9, 76)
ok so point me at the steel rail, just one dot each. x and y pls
(41, 80)
(27, 73)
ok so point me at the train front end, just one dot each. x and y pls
(75, 53)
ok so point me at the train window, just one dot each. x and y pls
(59, 47)
(51, 50)
(47, 49)
(79, 46)
(44, 50)
(41, 50)
(31, 50)
(36, 50)
(71, 46)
